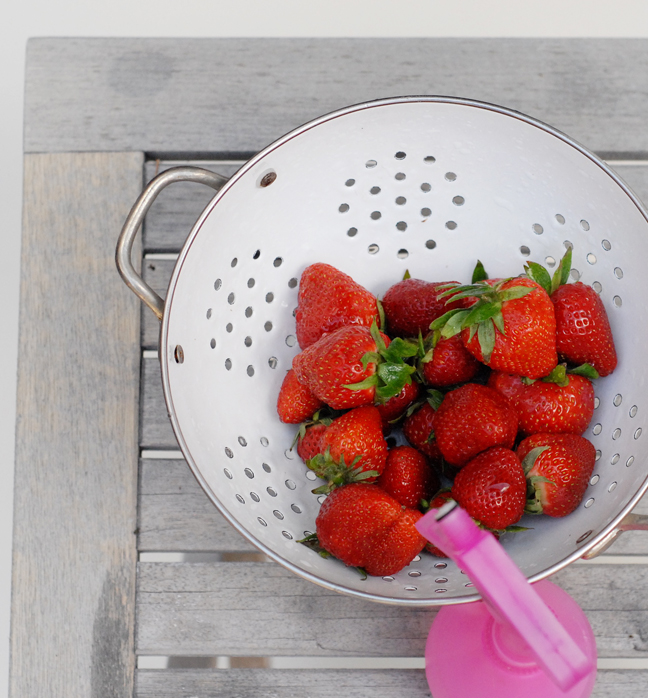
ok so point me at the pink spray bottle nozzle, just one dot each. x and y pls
(522, 632)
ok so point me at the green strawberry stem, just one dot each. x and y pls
(392, 372)
(585, 370)
(312, 541)
(336, 473)
(426, 346)
(536, 272)
(484, 317)
(432, 396)
(531, 457)
(479, 273)
(325, 415)
(533, 504)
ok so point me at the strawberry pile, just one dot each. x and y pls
(476, 392)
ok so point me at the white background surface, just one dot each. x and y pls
(214, 18)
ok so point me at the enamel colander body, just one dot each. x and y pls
(425, 184)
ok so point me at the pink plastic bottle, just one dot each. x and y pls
(521, 641)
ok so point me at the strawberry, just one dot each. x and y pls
(408, 477)
(352, 448)
(329, 299)
(418, 429)
(492, 488)
(471, 419)
(558, 468)
(309, 444)
(395, 407)
(354, 366)
(439, 500)
(412, 304)
(583, 333)
(447, 362)
(296, 403)
(510, 325)
(363, 526)
(560, 403)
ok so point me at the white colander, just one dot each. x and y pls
(429, 184)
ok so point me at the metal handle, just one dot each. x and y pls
(135, 218)
(632, 522)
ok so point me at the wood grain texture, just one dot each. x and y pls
(296, 683)
(222, 608)
(237, 95)
(175, 514)
(156, 431)
(76, 440)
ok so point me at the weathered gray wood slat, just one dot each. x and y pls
(76, 441)
(156, 431)
(237, 95)
(298, 683)
(222, 608)
(294, 683)
(175, 514)
(636, 177)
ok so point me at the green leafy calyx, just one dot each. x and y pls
(536, 272)
(392, 371)
(483, 318)
(337, 473)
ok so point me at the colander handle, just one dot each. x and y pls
(134, 221)
(631, 522)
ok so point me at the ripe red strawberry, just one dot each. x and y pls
(329, 299)
(352, 448)
(492, 488)
(412, 304)
(354, 366)
(439, 500)
(418, 429)
(310, 443)
(566, 406)
(583, 333)
(363, 526)
(296, 403)
(558, 468)
(471, 419)
(511, 325)
(408, 477)
(396, 406)
(448, 363)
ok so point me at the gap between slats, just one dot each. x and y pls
(221, 662)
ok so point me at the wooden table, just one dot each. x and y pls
(120, 561)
